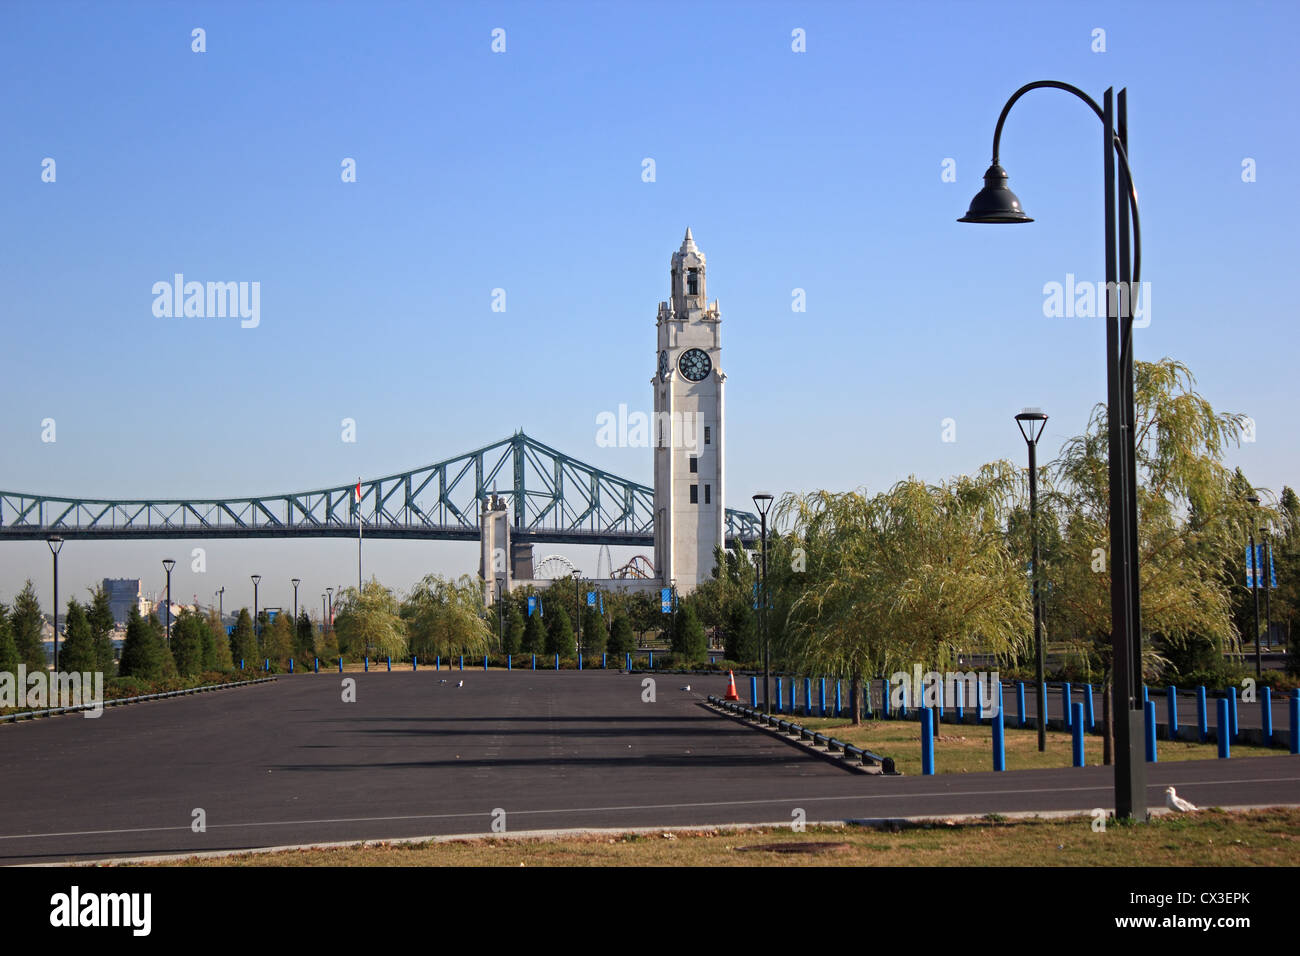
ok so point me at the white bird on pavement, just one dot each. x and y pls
(687, 687)
(460, 683)
(1176, 803)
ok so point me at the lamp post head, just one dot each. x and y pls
(169, 563)
(256, 578)
(295, 582)
(55, 542)
(1031, 422)
(763, 501)
(995, 202)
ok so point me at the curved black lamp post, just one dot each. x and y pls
(56, 545)
(1031, 422)
(168, 564)
(995, 203)
(763, 501)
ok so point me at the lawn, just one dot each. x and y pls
(1207, 838)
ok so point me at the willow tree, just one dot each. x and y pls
(1188, 520)
(369, 623)
(445, 617)
(912, 575)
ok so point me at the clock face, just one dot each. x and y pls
(695, 364)
(663, 365)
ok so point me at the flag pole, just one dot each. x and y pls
(360, 524)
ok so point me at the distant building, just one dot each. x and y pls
(123, 594)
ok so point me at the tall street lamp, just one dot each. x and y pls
(330, 616)
(221, 604)
(295, 582)
(168, 564)
(56, 544)
(1255, 572)
(995, 203)
(763, 501)
(323, 618)
(501, 621)
(257, 629)
(1031, 422)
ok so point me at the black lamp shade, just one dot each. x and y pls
(995, 202)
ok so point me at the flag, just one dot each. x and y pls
(665, 600)
(357, 504)
(532, 605)
(591, 599)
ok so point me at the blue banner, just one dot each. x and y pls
(1272, 571)
(532, 605)
(666, 600)
(1257, 566)
(591, 599)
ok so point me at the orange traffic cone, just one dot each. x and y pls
(731, 691)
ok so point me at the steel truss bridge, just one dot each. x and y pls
(553, 498)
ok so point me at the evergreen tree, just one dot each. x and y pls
(559, 633)
(26, 620)
(77, 650)
(689, 638)
(277, 640)
(534, 635)
(622, 640)
(515, 628)
(189, 634)
(9, 658)
(243, 645)
(158, 634)
(304, 644)
(100, 617)
(140, 657)
(216, 647)
(593, 632)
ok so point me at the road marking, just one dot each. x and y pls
(650, 806)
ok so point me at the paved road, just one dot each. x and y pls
(290, 762)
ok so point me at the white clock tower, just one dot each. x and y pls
(688, 428)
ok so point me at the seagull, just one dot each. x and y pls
(687, 687)
(460, 683)
(1176, 803)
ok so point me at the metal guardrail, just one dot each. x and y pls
(866, 757)
(55, 711)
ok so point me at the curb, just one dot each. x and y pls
(810, 742)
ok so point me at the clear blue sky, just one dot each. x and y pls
(818, 170)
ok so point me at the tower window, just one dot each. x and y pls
(695, 494)
(708, 434)
(692, 282)
(695, 464)
(708, 498)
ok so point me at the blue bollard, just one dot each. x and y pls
(753, 692)
(316, 665)
(415, 662)
(604, 663)
(1225, 728)
(1046, 715)
(627, 664)
(557, 662)
(1020, 701)
(437, 662)
(510, 662)
(807, 696)
(534, 662)
(1150, 708)
(999, 698)
(579, 660)
(999, 743)
(821, 698)
(340, 665)
(1145, 697)
(365, 663)
(1232, 711)
(1202, 715)
(652, 660)
(390, 663)
(1087, 700)
(1172, 694)
(927, 741)
(291, 665)
(1067, 711)
(1076, 727)
(1266, 714)
(959, 704)
(485, 659)
(241, 663)
(884, 699)
(1295, 722)
(839, 701)
(462, 662)
(794, 704)
(779, 692)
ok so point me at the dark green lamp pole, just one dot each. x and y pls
(995, 203)
(1031, 422)
(763, 501)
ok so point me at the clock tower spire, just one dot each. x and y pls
(688, 438)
